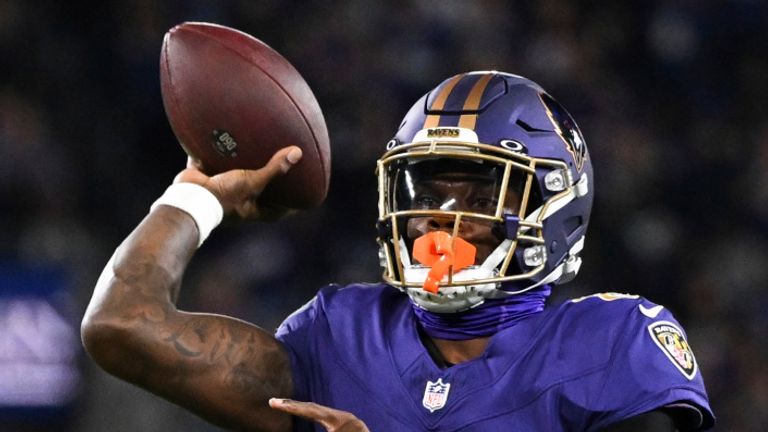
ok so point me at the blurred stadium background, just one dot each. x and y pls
(671, 96)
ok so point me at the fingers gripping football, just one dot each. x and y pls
(238, 190)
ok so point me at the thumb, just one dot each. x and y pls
(254, 181)
(281, 162)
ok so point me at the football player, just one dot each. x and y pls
(485, 194)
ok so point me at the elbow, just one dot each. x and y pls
(113, 332)
(120, 344)
(105, 343)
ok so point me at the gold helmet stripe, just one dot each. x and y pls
(473, 102)
(433, 119)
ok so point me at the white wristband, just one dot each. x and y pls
(196, 201)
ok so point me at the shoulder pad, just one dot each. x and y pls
(606, 296)
(607, 302)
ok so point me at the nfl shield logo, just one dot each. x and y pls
(435, 395)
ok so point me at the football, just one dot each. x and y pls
(232, 102)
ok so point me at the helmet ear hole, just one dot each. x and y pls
(572, 224)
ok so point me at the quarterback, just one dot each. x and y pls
(485, 194)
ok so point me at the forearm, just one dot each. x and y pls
(140, 283)
(146, 269)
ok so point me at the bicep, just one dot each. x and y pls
(221, 368)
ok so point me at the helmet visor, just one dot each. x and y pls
(454, 185)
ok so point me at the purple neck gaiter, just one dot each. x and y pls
(487, 319)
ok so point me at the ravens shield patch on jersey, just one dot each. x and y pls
(670, 339)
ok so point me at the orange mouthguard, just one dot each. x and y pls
(442, 252)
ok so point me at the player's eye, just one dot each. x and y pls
(485, 204)
(425, 201)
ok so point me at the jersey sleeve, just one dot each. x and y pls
(296, 333)
(653, 367)
(299, 333)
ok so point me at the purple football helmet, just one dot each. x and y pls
(528, 154)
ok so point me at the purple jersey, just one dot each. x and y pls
(577, 367)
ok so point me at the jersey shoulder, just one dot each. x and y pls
(614, 308)
(342, 336)
(584, 334)
(621, 322)
(606, 318)
(358, 296)
(650, 362)
(354, 302)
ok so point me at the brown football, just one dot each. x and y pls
(233, 101)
